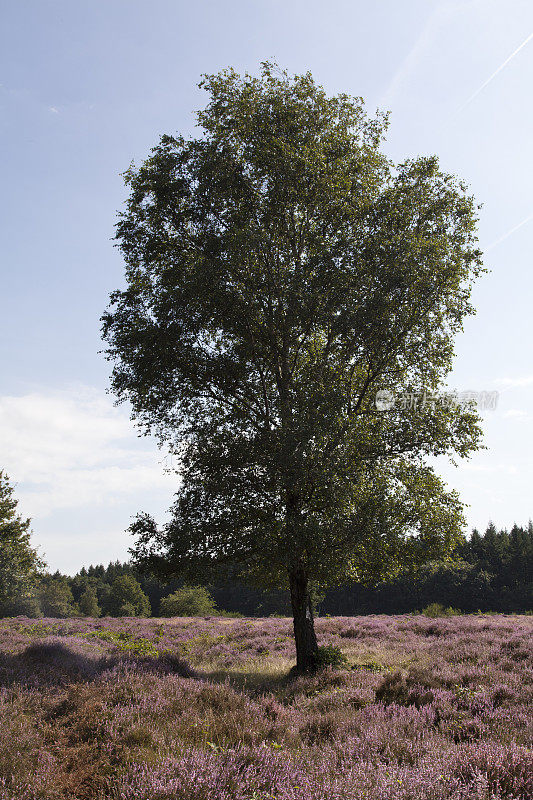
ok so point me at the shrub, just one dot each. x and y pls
(52, 662)
(189, 601)
(330, 655)
(502, 772)
(437, 610)
(22, 606)
(126, 642)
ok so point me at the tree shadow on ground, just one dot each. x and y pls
(50, 663)
(255, 682)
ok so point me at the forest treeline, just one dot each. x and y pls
(493, 571)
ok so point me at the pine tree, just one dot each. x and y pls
(20, 564)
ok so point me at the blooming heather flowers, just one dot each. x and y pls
(203, 709)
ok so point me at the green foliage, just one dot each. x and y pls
(127, 599)
(495, 573)
(369, 666)
(20, 564)
(126, 642)
(498, 578)
(88, 603)
(434, 610)
(199, 644)
(127, 610)
(280, 272)
(226, 338)
(40, 629)
(189, 601)
(330, 655)
(55, 598)
(27, 606)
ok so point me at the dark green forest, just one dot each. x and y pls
(492, 571)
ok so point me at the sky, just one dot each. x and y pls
(87, 87)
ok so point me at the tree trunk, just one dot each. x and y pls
(304, 623)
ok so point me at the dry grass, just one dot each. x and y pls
(430, 710)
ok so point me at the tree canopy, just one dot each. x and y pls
(127, 599)
(189, 601)
(20, 565)
(56, 598)
(88, 603)
(280, 272)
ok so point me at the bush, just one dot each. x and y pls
(22, 606)
(189, 601)
(437, 610)
(127, 599)
(329, 655)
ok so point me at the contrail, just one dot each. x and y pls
(483, 85)
(509, 233)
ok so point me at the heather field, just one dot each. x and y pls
(203, 709)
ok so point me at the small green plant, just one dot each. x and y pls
(369, 666)
(330, 655)
(203, 642)
(138, 737)
(434, 610)
(38, 629)
(126, 642)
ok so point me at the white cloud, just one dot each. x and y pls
(75, 449)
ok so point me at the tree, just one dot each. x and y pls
(189, 601)
(20, 564)
(127, 599)
(88, 603)
(55, 597)
(280, 272)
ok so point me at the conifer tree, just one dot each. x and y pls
(20, 564)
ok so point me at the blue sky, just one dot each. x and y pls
(87, 87)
